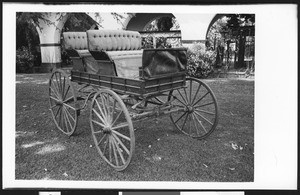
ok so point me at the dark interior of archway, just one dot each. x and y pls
(140, 20)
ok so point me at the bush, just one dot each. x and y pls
(24, 60)
(200, 61)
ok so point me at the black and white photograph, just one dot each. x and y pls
(114, 96)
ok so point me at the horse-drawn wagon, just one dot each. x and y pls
(125, 84)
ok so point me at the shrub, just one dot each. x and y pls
(200, 61)
(24, 60)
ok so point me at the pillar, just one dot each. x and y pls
(49, 34)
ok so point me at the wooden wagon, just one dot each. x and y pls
(126, 84)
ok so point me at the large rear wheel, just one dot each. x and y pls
(199, 115)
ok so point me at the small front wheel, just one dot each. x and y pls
(112, 129)
(198, 117)
(63, 102)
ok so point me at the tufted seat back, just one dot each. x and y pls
(113, 40)
(75, 40)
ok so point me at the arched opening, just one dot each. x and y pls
(232, 35)
(158, 30)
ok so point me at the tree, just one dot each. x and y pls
(238, 27)
(215, 34)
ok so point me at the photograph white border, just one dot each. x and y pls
(275, 96)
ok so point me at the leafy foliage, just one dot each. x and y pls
(200, 61)
(215, 33)
(24, 60)
(160, 24)
(79, 22)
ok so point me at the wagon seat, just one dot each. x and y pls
(118, 52)
(75, 44)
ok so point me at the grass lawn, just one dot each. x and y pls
(162, 153)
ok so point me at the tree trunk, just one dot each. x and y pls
(28, 39)
(241, 52)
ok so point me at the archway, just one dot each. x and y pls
(138, 21)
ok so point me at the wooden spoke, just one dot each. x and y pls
(201, 98)
(105, 145)
(66, 121)
(180, 101)
(63, 89)
(186, 96)
(109, 150)
(190, 123)
(113, 110)
(67, 105)
(182, 97)
(180, 117)
(206, 112)
(54, 98)
(57, 111)
(121, 143)
(58, 85)
(56, 89)
(116, 119)
(120, 126)
(70, 115)
(60, 113)
(96, 122)
(200, 123)
(54, 92)
(184, 121)
(100, 109)
(118, 150)
(104, 136)
(195, 124)
(121, 135)
(55, 105)
(67, 100)
(191, 89)
(210, 103)
(203, 118)
(66, 93)
(99, 116)
(199, 86)
(67, 118)
(114, 150)
(104, 107)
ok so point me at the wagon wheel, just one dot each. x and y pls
(112, 129)
(63, 102)
(199, 116)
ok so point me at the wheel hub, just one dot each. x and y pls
(190, 109)
(106, 130)
(59, 103)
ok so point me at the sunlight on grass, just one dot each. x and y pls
(24, 133)
(50, 149)
(31, 144)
